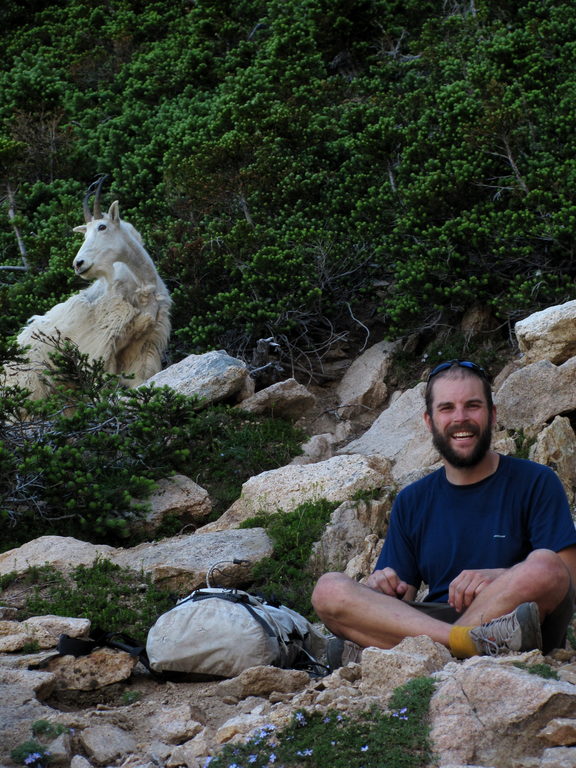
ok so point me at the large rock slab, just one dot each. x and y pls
(21, 692)
(62, 552)
(363, 386)
(335, 479)
(487, 713)
(182, 562)
(212, 377)
(176, 497)
(400, 435)
(286, 399)
(535, 394)
(549, 334)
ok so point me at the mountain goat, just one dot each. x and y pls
(123, 317)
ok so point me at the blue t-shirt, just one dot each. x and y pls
(438, 529)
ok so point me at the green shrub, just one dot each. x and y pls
(83, 461)
(300, 170)
(114, 599)
(285, 576)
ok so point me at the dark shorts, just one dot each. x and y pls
(554, 625)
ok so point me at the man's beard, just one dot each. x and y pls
(442, 445)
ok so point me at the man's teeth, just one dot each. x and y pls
(462, 434)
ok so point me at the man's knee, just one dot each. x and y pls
(545, 565)
(330, 592)
(545, 574)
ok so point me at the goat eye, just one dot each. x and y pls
(101, 227)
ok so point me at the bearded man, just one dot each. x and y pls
(490, 535)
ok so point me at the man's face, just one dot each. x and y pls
(461, 422)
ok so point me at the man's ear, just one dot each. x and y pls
(428, 421)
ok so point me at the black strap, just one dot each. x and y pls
(76, 646)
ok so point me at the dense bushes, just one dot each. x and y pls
(83, 461)
(298, 168)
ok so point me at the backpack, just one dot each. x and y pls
(221, 632)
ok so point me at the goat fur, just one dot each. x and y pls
(123, 317)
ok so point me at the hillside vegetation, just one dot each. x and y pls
(301, 169)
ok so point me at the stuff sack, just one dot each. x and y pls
(221, 632)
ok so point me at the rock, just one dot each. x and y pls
(537, 393)
(80, 762)
(242, 724)
(399, 435)
(286, 399)
(385, 670)
(549, 334)
(555, 446)
(363, 387)
(182, 562)
(558, 757)
(21, 695)
(561, 731)
(46, 630)
(106, 743)
(62, 552)
(175, 725)
(317, 448)
(336, 479)
(60, 750)
(187, 754)
(262, 681)
(362, 564)
(212, 377)
(102, 667)
(345, 535)
(179, 497)
(497, 709)
(42, 631)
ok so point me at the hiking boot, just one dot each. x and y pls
(340, 652)
(516, 631)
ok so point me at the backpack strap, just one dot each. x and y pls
(76, 646)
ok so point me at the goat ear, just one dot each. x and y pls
(81, 228)
(114, 211)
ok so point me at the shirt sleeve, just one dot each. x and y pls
(398, 550)
(550, 523)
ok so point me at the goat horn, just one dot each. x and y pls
(97, 211)
(95, 188)
(86, 207)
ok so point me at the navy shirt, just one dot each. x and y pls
(437, 529)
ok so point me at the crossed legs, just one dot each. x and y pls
(370, 618)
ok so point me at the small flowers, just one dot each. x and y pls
(364, 748)
(300, 719)
(36, 759)
(401, 713)
(304, 752)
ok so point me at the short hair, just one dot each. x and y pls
(455, 369)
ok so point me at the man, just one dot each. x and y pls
(490, 535)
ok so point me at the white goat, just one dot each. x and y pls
(123, 317)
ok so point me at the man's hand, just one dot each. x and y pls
(388, 582)
(468, 585)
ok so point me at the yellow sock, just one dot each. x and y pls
(461, 644)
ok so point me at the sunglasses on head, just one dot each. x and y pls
(461, 364)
